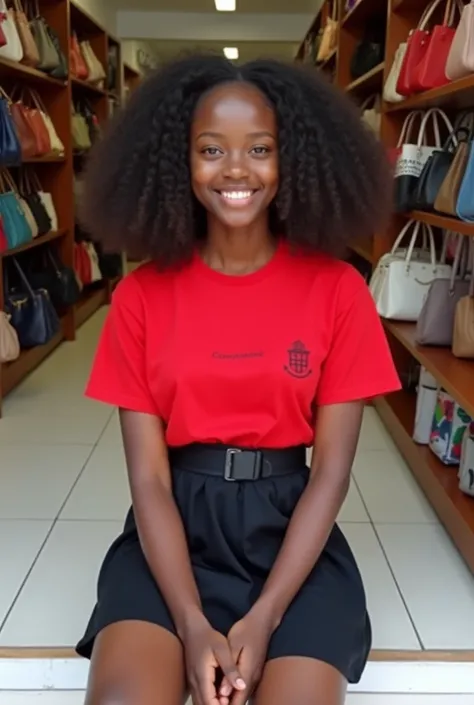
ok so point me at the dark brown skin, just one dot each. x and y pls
(233, 147)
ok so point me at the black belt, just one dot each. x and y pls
(238, 464)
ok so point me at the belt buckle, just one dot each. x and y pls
(249, 462)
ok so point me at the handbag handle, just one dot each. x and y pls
(6, 96)
(23, 278)
(434, 113)
(428, 13)
(407, 127)
(426, 230)
(10, 181)
(458, 261)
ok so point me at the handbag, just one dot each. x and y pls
(78, 65)
(24, 129)
(81, 139)
(45, 197)
(61, 71)
(465, 202)
(431, 71)
(9, 343)
(413, 158)
(435, 171)
(48, 55)
(463, 335)
(466, 466)
(3, 237)
(32, 314)
(82, 264)
(30, 50)
(96, 274)
(371, 115)
(329, 37)
(36, 119)
(394, 153)
(448, 427)
(57, 146)
(460, 61)
(10, 147)
(12, 49)
(84, 108)
(447, 198)
(59, 280)
(390, 94)
(96, 72)
(435, 325)
(369, 53)
(36, 205)
(17, 229)
(426, 395)
(418, 43)
(399, 285)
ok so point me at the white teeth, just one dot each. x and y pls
(236, 195)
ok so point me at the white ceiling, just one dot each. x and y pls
(265, 6)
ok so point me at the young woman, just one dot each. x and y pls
(240, 341)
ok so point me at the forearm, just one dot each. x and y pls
(305, 539)
(165, 547)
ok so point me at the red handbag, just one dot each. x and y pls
(3, 39)
(3, 237)
(79, 67)
(417, 48)
(82, 264)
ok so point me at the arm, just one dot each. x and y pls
(316, 511)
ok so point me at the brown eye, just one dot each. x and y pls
(260, 150)
(211, 151)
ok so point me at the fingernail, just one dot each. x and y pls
(240, 683)
(226, 690)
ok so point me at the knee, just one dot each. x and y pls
(110, 696)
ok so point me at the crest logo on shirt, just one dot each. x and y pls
(298, 361)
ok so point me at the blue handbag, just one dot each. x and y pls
(15, 225)
(10, 149)
(465, 202)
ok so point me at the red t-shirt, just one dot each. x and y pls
(242, 360)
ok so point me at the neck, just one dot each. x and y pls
(241, 251)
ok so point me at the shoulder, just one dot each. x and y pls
(329, 276)
(143, 287)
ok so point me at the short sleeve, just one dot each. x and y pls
(359, 363)
(119, 374)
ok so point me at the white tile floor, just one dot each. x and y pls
(64, 496)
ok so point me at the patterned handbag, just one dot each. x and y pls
(448, 428)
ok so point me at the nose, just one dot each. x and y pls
(236, 166)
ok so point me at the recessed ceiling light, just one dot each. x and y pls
(231, 53)
(225, 5)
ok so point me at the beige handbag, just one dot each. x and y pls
(57, 147)
(460, 60)
(463, 337)
(329, 38)
(31, 55)
(9, 343)
(13, 49)
(371, 115)
(81, 139)
(390, 94)
(96, 70)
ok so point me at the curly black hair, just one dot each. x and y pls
(334, 182)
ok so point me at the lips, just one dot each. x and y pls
(237, 197)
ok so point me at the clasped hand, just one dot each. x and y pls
(240, 658)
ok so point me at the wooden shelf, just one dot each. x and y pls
(86, 87)
(91, 300)
(16, 71)
(364, 248)
(362, 12)
(14, 372)
(457, 94)
(456, 376)
(370, 82)
(327, 62)
(36, 242)
(443, 221)
(48, 159)
(439, 482)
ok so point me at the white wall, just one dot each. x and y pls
(102, 11)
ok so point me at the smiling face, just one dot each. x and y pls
(234, 155)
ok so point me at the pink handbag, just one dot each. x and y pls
(460, 61)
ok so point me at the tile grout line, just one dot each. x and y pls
(53, 524)
(392, 572)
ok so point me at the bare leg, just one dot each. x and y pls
(136, 663)
(300, 681)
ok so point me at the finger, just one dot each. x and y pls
(206, 685)
(229, 668)
(226, 688)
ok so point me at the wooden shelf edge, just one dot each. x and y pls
(84, 85)
(36, 242)
(28, 72)
(364, 250)
(14, 372)
(454, 375)
(447, 222)
(89, 304)
(436, 96)
(420, 460)
(359, 82)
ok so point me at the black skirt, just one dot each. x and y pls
(234, 532)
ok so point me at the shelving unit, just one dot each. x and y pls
(440, 483)
(56, 173)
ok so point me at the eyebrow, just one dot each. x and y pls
(263, 133)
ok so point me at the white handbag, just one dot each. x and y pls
(426, 396)
(13, 49)
(399, 285)
(460, 61)
(390, 94)
(466, 466)
(371, 115)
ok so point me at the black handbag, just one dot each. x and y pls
(434, 172)
(59, 280)
(369, 53)
(10, 149)
(32, 314)
(33, 199)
